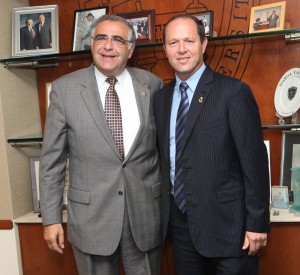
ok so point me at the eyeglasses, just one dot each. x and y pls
(116, 40)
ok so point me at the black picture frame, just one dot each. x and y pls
(207, 19)
(289, 152)
(82, 26)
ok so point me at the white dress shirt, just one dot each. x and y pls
(129, 109)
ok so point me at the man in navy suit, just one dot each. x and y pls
(28, 39)
(215, 193)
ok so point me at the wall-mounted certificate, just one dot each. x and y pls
(280, 197)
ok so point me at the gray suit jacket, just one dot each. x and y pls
(99, 180)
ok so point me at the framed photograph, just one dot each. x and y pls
(290, 158)
(35, 30)
(48, 90)
(83, 23)
(267, 17)
(280, 196)
(143, 23)
(34, 174)
(207, 19)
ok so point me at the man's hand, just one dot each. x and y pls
(254, 241)
(54, 237)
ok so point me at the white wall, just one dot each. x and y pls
(19, 115)
(10, 260)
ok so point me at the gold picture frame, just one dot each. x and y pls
(267, 18)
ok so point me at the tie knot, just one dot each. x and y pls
(183, 86)
(111, 80)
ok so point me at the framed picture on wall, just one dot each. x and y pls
(35, 30)
(267, 18)
(207, 19)
(83, 23)
(143, 23)
(34, 174)
(290, 157)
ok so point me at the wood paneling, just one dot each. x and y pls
(6, 225)
(261, 65)
(37, 259)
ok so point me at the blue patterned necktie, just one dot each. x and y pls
(179, 193)
(113, 115)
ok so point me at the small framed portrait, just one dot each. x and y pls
(48, 90)
(83, 23)
(207, 19)
(290, 157)
(35, 30)
(34, 174)
(143, 23)
(267, 18)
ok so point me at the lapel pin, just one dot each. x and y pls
(143, 93)
(201, 99)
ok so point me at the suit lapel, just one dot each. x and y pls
(200, 96)
(91, 97)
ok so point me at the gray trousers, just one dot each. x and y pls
(135, 262)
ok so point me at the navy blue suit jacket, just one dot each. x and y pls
(225, 164)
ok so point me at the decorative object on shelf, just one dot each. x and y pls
(35, 30)
(287, 97)
(143, 23)
(48, 90)
(295, 208)
(207, 19)
(267, 18)
(280, 196)
(83, 22)
(34, 174)
(290, 157)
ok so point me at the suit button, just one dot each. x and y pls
(120, 193)
(124, 165)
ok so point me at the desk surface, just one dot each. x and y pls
(32, 217)
(276, 215)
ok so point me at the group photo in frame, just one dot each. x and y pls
(143, 23)
(290, 157)
(34, 163)
(207, 19)
(83, 23)
(35, 30)
(267, 18)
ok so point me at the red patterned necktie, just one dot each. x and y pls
(113, 115)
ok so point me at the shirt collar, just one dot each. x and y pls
(193, 80)
(102, 78)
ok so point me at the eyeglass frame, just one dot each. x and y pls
(112, 38)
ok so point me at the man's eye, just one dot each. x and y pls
(101, 38)
(118, 39)
(172, 43)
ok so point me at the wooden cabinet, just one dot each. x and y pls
(37, 259)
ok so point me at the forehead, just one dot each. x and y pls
(181, 27)
(112, 28)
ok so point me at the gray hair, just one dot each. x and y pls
(112, 17)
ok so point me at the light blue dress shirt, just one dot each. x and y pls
(192, 82)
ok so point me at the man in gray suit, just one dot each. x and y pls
(212, 152)
(114, 194)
